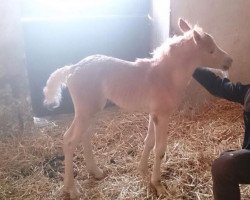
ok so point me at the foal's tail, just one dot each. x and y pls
(53, 89)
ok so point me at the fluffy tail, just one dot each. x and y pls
(53, 89)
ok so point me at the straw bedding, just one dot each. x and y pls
(31, 164)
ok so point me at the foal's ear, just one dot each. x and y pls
(197, 37)
(183, 25)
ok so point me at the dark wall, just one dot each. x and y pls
(51, 44)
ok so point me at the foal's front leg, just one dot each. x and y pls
(149, 143)
(161, 126)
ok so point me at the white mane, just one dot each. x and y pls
(160, 52)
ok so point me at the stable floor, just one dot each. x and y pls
(31, 164)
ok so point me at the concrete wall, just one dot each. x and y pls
(15, 111)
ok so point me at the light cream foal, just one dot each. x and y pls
(153, 85)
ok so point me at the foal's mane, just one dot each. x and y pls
(164, 50)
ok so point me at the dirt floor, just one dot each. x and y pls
(31, 164)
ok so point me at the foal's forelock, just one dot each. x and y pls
(176, 41)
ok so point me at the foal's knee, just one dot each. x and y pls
(160, 152)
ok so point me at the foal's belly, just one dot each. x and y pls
(129, 101)
(132, 105)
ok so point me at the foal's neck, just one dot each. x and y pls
(176, 70)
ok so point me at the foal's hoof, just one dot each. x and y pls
(159, 189)
(98, 174)
(73, 193)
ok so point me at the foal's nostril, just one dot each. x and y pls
(230, 61)
(227, 63)
(225, 67)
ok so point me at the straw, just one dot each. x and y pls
(32, 165)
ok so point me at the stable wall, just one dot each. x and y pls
(15, 113)
(160, 18)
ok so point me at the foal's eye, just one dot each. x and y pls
(211, 52)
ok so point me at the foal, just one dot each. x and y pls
(154, 85)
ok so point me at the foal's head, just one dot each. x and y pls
(205, 51)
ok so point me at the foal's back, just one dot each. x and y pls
(123, 82)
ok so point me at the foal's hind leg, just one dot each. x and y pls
(70, 140)
(76, 134)
(91, 165)
(161, 128)
(148, 146)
